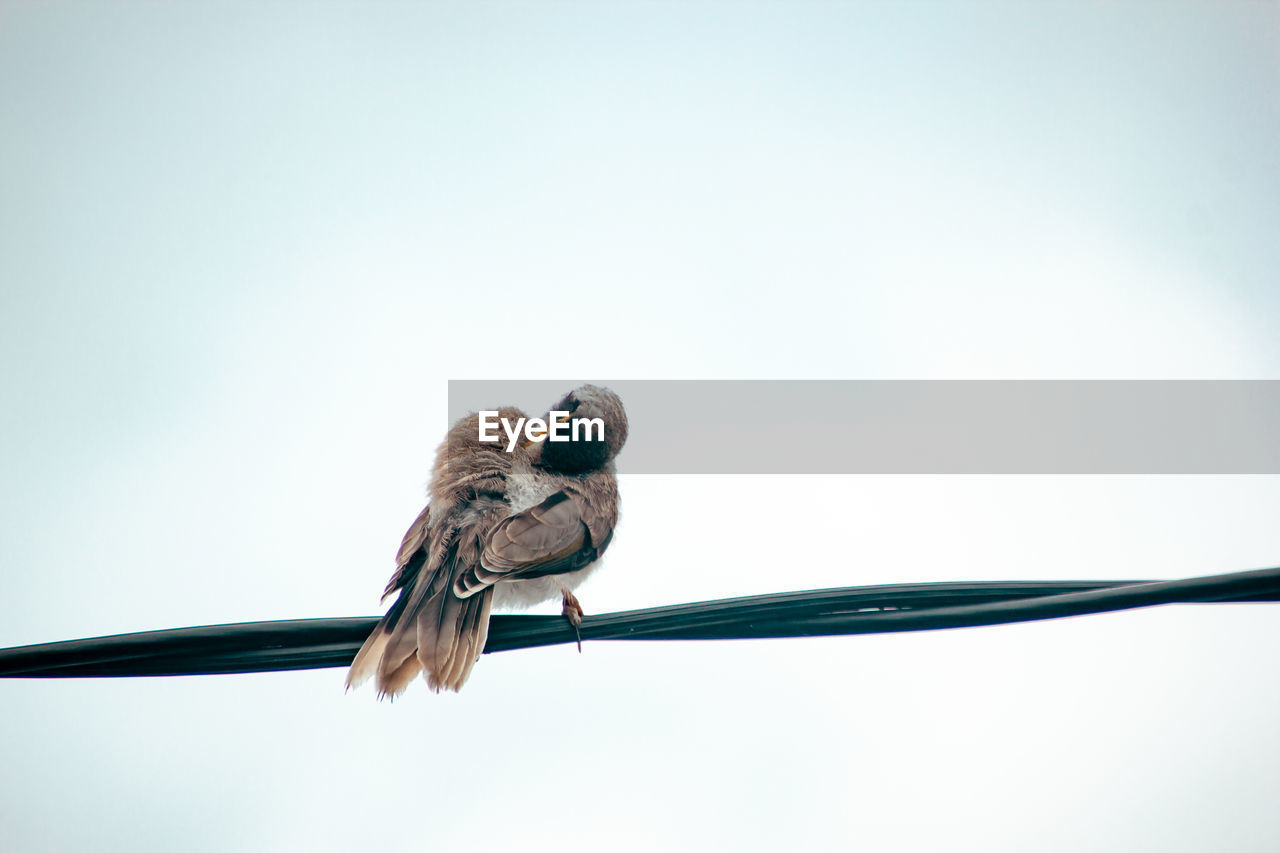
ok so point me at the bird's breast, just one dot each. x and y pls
(528, 487)
(517, 595)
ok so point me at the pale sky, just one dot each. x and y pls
(243, 247)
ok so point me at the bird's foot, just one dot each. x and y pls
(572, 611)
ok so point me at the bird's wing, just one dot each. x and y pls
(412, 547)
(562, 534)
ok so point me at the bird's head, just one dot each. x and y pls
(596, 429)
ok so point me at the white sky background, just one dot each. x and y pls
(243, 248)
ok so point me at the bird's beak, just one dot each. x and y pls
(560, 419)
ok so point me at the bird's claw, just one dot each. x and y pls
(572, 611)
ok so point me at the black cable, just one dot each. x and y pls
(319, 643)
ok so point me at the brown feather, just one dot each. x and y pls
(467, 540)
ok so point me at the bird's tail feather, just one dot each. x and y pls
(443, 636)
(451, 639)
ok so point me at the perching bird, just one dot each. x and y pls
(501, 528)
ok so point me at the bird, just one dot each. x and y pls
(501, 529)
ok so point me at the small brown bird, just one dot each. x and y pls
(501, 528)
